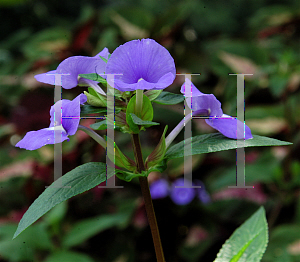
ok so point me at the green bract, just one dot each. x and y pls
(158, 153)
(136, 123)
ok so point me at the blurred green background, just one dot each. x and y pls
(214, 38)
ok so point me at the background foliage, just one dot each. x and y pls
(213, 38)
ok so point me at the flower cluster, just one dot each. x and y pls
(181, 196)
(136, 65)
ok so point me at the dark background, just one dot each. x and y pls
(213, 38)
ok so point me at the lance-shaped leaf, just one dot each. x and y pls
(167, 98)
(248, 243)
(95, 99)
(119, 159)
(73, 183)
(217, 142)
(152, 94)
(158, 153)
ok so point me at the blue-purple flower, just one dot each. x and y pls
(159, 188)
(180, 196)
(69, 124)
(144, 64)
(209, 105)
(75, 65)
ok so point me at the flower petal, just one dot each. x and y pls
(47, 78)
(72, 67)
(104, 53)
(201, 192)
(181, 196)
(159, 189)
(70, 113)
(191, 90)
(230, 127)
(92, 84)
(198, 101)
(36, 139)
(144, 64)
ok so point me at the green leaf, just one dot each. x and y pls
(167, 98)
(152, 94)
(217, 142)
(102, 125)
(68, 256)
(80, 179)
(146, 114)
(94, 77)
(141, 122)
(158, 153)
(248, 243)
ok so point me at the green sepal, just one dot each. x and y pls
(158, 153)
(95, 99)
(153, 94)
(128, 176)
(104, 59)
(146, 114)
(94, 77)
(167, 98)
(120, 159)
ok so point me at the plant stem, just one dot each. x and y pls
(147, 199)
(139, 101)
(181, 124)
(176, 130)
(99, 139)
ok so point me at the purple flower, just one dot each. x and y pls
(144, 64)
(159, 189)
(202, 193)
(71, 110)
(209, 105)
(75, 65)
(181, 196)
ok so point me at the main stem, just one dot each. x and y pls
(147, 199)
